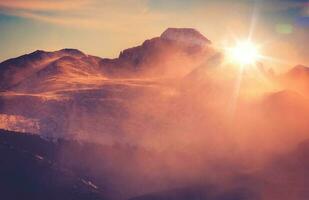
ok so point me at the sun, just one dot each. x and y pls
(244, 53)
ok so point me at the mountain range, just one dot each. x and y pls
(57, 90)
(167, 119)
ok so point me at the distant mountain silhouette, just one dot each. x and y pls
(299, 71)
(287, 106)
(296, 79)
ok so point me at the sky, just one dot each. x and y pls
(105, 27)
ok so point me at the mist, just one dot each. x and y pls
(167, 120)
(200, 131)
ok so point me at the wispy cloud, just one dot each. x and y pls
(65, 12)
(101, 14)
(43, 5)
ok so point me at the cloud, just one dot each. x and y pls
(39, 5)
(113, 15)
(281, 5)
(70, 21)
(118, 15)
(56, 12)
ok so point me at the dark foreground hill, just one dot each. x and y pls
(29, 171)
(34, 168)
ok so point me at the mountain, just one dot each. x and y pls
(16, 70)
(286, 99)
(63, 73)
(299, 71)
(37, 168)
(296, 79)
(288, 107)
(68, 92)
(189, 36)
(167, 119)
(175, 53)
(29, 170)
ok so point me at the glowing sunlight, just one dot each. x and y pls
(244, 53)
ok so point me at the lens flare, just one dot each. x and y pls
(244, 53)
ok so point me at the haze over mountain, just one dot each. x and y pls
(72, 93)
(168, 119)
(71, 80)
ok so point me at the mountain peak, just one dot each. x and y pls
(38, 52)
(74, 52)
(299, 70)
(59, 53)
(187, 35)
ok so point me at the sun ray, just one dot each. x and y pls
(275, 60)
(251, 57)
(254, 18)
(234, 99)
